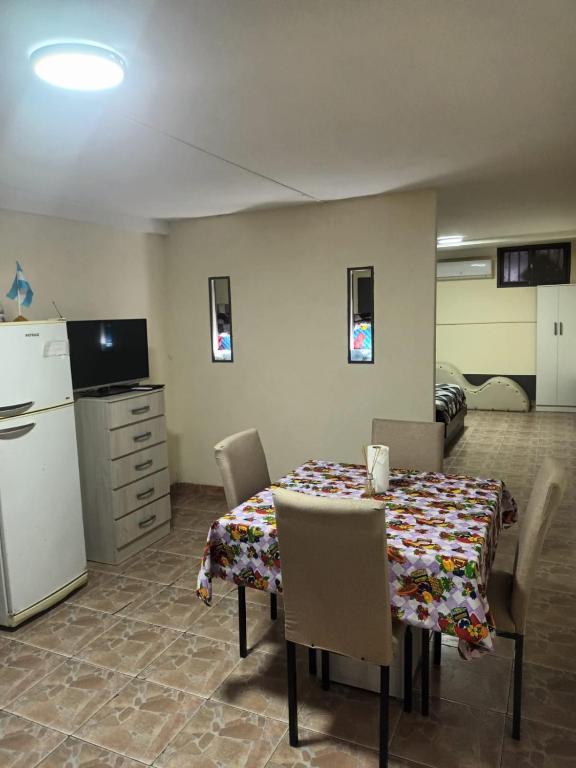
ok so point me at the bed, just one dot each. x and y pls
(450, 410)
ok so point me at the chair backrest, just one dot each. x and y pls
(242, 464)
(545, 498)
(335, 574)
(413, 444)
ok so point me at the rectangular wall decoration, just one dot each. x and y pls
(221, 320)
(361, 315)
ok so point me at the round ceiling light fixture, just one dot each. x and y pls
(78, 66)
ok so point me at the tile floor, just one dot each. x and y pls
(133, 670)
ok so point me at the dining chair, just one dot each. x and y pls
(244, 471)
(336, 589)
(414, 445)
(508, 593)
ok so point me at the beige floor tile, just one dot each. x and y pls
(160, 567)
(129, 646)
(556, 608)
(481, 682)
(555, 576)
(549, 696)
(221, 623)
(141, 720)
(67, 697)
(345, 713)
(193, 520)
(21, 667)
(23, 744)
(550, 645)
(110, 593)
(559, 550)
(79, 754)
(194, 664)
(171, 607)
(66, 629)
(453, 736)
(219, 736)
(183, 542)
(541, 746)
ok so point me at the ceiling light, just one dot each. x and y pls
(78, 66)
(446, 241)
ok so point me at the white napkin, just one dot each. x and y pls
(381, 471)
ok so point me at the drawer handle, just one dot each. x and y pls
(144, 465)
(15, 410)
(143, 437)
(13, 432)
(145, 494)
(147, 522)
(138, 411)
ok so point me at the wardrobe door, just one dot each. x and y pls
(567, 345)
(547, 346)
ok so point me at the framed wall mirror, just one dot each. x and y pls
(361, 315)
(221, 320)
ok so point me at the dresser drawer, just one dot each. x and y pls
(140, 493)
(138, 465)
(134, 409)
(137, 436)
(138, 523)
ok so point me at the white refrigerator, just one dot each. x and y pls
(42, 551)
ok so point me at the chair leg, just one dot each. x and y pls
(273, 607)
(437, 648)
(384, 691)
(325, 670)
(242, 621)
(408, 669)
(518, 663)
(425, 672)
(292, 694)
(312, 668)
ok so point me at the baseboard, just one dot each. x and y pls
(556, 408)
(208, 490)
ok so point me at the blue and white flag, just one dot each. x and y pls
(21, 288)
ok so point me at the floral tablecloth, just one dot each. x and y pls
(442, 536)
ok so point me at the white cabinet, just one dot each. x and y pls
(124, 473)
(556, 348)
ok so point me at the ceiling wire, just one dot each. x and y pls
(219, 157)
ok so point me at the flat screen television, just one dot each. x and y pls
(107, 352)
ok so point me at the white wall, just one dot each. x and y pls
(90, 272)
(290, 378)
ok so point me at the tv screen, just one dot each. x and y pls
(104, 352)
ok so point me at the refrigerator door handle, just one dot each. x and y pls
(11, 433)
(15, 410)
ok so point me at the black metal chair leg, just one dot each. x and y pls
(425, 672)
(242, 621)
(437, 648)
(273, 607)
(408, 670)
(384, 691)
(518, 663)
(292, 694)
(312, 668)
(325, 670)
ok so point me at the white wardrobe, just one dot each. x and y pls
(556, 348)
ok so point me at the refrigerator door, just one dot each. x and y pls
(35, 367)
(41, 530)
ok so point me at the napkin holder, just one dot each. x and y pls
(378, 467)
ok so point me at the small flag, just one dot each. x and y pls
(21, 288)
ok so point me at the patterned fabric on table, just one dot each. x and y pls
(442, 536)
(450, 398)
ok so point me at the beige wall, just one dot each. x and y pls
(291, 378)
(89, 271)
(485, 329)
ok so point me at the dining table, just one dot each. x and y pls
(442, 535)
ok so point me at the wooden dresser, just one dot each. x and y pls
(123, 472)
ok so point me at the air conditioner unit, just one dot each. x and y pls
(469, 269)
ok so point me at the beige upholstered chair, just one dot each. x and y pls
(244, 471)
(413, 444)
(508, 593)
(336, 589)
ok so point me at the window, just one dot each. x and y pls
(528, 265)
(361, 315)
(221, 320)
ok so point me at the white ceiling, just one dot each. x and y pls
(234, 104)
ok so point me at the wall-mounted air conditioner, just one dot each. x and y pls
(464, 270)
